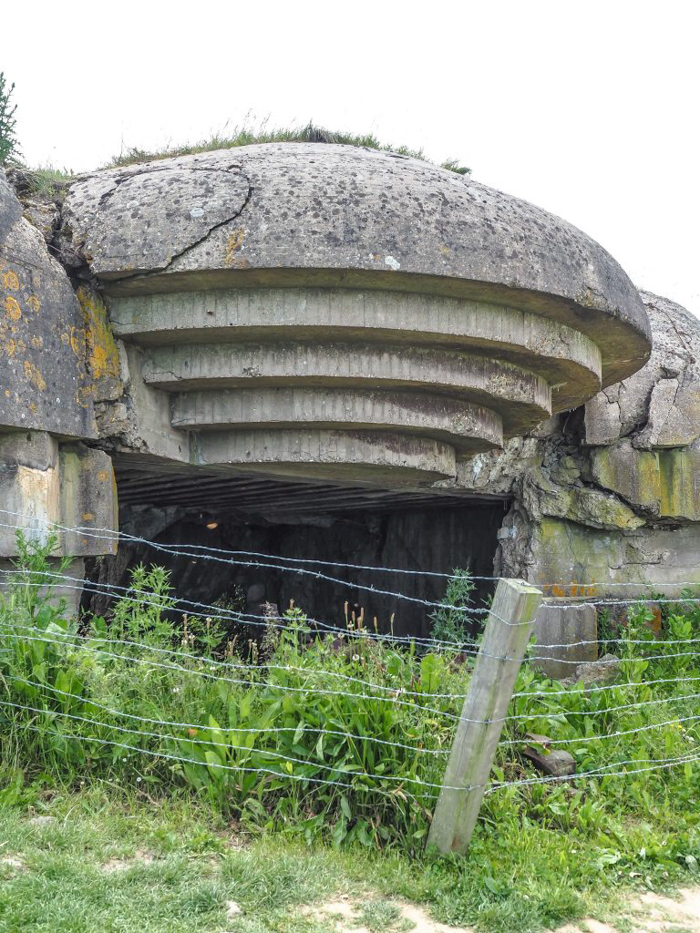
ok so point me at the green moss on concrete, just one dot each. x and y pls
(663, 481)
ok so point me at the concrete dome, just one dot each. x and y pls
(325, 310)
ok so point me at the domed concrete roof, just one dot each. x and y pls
(349, 306)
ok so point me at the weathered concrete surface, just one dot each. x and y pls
(57, 359)
(566, 358)
(328, 314)
(45, 380)
(264, 214)
(664, 483)
(610, 495)
(468, 427)
(566, 634)
(348, 272)
(514, 393)
(566, 553)
(345, 455)
(48, 487)
(565, 623)
(660, 404)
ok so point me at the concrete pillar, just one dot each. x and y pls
(565, 622)
(47, 486)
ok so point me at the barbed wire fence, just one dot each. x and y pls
(485, 736)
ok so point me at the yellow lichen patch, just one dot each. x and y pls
(102, 353)
(88, 517)
(235, 241)
(37, 342)
(12, 308)
(34, 304)
(33, 374)
(10, 280)
(8, 346)
(77, 341)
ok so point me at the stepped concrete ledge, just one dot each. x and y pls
(330, 311)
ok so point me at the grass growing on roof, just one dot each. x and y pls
(44, 182)
(248, 134)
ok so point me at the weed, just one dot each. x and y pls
(449, 624)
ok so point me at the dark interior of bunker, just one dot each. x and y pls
(251, 544)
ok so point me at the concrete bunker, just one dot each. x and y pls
(321, 344)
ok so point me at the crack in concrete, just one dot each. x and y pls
(79, 248)
(211, 230)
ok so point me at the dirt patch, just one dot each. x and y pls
(41, 821)
(389, 916)
(14, 864)
(652, 913)
(140, 857)
(648, 913)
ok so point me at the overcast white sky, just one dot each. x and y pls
(588, 109)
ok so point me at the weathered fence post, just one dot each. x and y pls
(508, 629)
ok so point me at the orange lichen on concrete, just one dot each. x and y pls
(10, 280)
(235, 241)
(12, 308)
(102, 353)
(33, 374)
(570, 590)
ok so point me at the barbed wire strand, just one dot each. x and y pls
(580, 687)
(467, 648)
(598, 772)
(214, 662)
(206, 764)
(659, 764)
(248, 683)
(218, 613)
(302, 727)
(227, 745)
(608, 735)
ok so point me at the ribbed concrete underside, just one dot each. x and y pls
(145, 483)
(350, 384)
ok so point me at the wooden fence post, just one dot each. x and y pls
(507, 633)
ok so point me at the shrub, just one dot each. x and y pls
(9, 146)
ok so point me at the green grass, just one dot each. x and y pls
(248, 134)
(49, 183)
(44, 182)
(517, 877)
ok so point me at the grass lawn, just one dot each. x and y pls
(104, 860)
